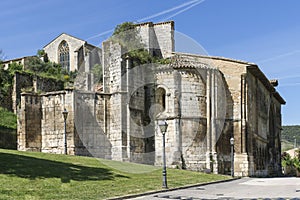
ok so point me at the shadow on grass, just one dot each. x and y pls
(33, 168)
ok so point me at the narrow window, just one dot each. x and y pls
(64, 55)
(160, 97)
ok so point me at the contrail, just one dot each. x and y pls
(169, 10)
(100, 34)
(279, 56)
(190, 4)
(289, 84)
(183, 10)
(289, 77)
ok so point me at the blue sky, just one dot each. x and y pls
(264, 32)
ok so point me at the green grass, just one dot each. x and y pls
(29, 175)
(8, 119)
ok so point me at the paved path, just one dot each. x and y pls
(246, 188)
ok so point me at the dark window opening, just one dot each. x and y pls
(160, 98)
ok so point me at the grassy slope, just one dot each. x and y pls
(8, 119)
(25, 175)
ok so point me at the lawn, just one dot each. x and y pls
(30, 175)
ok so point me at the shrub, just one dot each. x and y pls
(286, 160)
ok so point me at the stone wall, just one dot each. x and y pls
(138, 116)
(47, 84)
(29, 123)
(8, 138)
(24, 81)
(52, 123)
(21, 81)
(264, 127)
(112, 76)
(186, 116)
(164, 33)
(159, 37)
(89, 123)
(252, 116)
(41, 125)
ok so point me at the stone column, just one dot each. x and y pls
(208, 120)
(21, 133)
(213, 121)
(243, 112)
(241, 160)
(211, 137)
(177, 114)
(128, 107)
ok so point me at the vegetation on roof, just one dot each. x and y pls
(127, 35)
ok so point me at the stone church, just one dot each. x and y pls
(205, 100)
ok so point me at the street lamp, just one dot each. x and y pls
(232, 157)
(163, 125)
(65, 115)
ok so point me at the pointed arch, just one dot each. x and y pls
(64, 55)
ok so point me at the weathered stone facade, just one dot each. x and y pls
(24, 81)
(205, 100)
(80, 53)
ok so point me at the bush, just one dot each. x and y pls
(286, 160)
(291, 165)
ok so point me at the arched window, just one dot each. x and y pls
(64, 55)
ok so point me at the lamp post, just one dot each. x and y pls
(163, 125)
(65, 115)
(232, 156)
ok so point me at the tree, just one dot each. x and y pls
(42, 55)
(128, 36)
(37, 66)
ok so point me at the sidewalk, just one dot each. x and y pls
(245, 188)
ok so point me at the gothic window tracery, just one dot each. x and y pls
(64, 55)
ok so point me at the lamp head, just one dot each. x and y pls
(163, 125)
(65, 114)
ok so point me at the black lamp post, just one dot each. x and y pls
(65, 115)
(232, 156)
(163, 125)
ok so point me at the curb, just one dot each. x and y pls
(172, 189)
